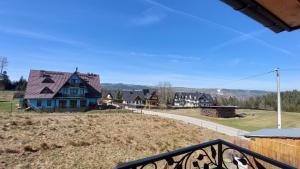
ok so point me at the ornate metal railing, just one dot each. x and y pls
(213, 154)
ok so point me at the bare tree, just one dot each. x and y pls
(3, 63)
(165, 93)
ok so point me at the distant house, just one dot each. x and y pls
(108, 97)
(62, 91)
(151, 98)
(112, 96)
(182, 99)
(135, 97)
(145, 97)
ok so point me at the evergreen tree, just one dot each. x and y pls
(119, 97)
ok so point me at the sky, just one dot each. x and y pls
(195, 43)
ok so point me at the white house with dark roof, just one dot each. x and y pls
(62, 91)
(183, 99)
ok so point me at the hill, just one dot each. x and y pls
(241, 94)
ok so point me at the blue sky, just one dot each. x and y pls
(203, 44)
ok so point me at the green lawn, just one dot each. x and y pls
(253, 120)
(5, 106)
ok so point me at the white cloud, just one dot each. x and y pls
(235, 40)
(37, 35)
(150, 16)
(242, 36)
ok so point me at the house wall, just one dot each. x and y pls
(55, 103)
(189, 101)
(281, 149)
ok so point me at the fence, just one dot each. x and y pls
(281, 149)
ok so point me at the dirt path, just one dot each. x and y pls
(201, 123)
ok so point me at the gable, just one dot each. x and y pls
(108, 96)
(75, 79)
(137, 98)
(154, 96)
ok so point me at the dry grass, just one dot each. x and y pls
(90, 140)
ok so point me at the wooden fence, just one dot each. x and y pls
(281, 149)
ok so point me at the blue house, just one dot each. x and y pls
(62, 91)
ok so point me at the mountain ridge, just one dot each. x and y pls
(239, 93)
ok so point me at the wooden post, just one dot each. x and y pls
(11, 106)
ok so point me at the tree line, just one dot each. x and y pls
(8, 84)
(5, 82)
(290, 101)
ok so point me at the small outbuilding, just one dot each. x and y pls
(219, 111)
(279, 144)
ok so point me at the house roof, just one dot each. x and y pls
(113, 93)
(277, 15)
(36, 77)
(133, 95)
(275, 133)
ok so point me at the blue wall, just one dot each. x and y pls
(54, 102)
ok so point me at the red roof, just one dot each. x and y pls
(36, 77)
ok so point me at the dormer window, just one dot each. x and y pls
(47, 80)
(73, 81)
(46, 90)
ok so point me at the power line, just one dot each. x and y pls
(249, 77)
(290, 69)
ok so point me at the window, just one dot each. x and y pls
(73, 91)
(82, 103)
(81, 91)
(62, 103)
(74, 81)
(39, 103)
(49, 103)
(73, 103)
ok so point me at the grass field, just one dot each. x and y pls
(7, 103)
(7, 106)
(253, 120)
(90, 140)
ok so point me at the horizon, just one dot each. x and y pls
(200, 44)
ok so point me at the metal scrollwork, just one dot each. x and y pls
(243, 159)
(193, 159)
(205, 156)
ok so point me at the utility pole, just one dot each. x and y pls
(278, 97)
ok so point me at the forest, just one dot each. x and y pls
(290, 101)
